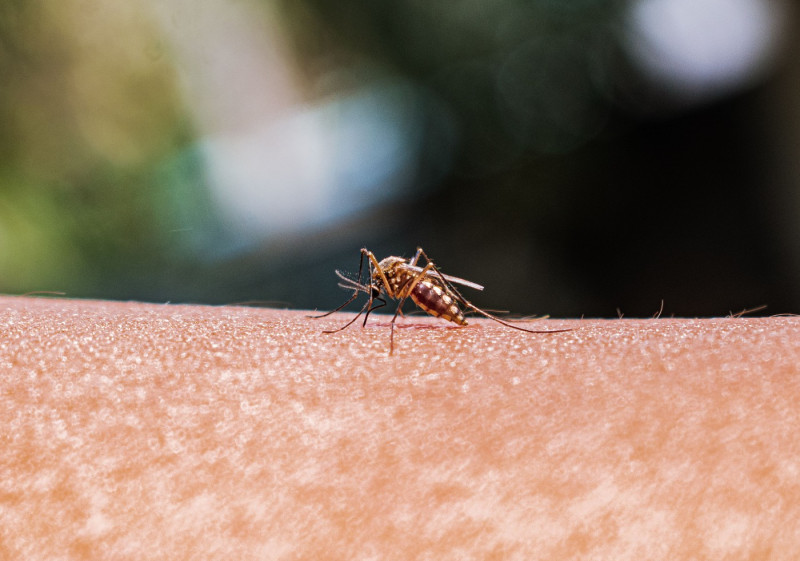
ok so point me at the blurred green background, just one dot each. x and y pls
(579, 158)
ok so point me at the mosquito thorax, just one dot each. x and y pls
(388, 265)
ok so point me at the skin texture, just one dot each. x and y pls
(140, 431)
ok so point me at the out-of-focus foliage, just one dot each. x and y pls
(89, 110)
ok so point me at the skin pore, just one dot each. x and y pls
(135, 431)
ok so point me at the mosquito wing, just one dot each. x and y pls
(448, 278)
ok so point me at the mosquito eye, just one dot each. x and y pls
(375, 291)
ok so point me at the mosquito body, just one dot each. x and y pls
(428, 288)
(401, 279)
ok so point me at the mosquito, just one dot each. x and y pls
(400, 278)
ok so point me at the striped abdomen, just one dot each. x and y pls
(435, 300)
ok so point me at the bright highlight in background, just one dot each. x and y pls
(701, 48)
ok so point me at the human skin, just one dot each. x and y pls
(141, 431)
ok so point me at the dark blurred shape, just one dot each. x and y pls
(583, 185)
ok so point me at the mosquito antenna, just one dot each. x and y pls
(350, 283)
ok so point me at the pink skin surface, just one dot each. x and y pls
(140, 431)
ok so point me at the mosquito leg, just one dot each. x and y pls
(353, 297)
(360, 266)
(351, 322)
(373, 308)
(474, 308)
(414, 260)
(413, 284)
(466, 303)
(421, 252)
(394, 317)
(391, 327)
(355, 294)
(403, 293)
(375, 266)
